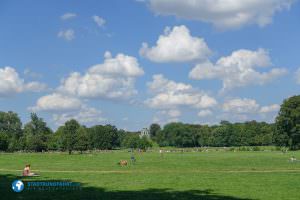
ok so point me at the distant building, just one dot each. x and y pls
(145, 132)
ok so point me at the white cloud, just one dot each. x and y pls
(68, 34)
(297, 76)
(121, 65)
(238, 69)
(248, 106)
(270, 108)
(223, 14)
(112, 79)
(11, 83)
(115, 79)
(174, 113)
(99, 20)
(86, 115)
(57, 103)
(98, 86)
(241, 106)
(166, 116)
(64, 108)
(169, 94)
(68, 16)
(205, 113)
(243, 109)
(235, 117)
(35, 86)
(176, 45)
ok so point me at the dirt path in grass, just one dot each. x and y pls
(159, 171)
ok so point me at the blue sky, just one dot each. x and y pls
(204, 61)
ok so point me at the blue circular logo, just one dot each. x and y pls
(17, 186)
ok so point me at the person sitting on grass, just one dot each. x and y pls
(27, 172)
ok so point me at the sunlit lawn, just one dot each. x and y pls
(193, 175)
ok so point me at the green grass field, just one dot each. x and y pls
(194, 175)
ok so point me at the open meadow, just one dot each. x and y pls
(209, 175)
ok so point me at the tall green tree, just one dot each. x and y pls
(104, 137)
(11, 127)
(144, 143)
(131, 140)
(57, 142)
(288, 123)
(82, 140)
(177, 134)
(36, 133)
(154, 129)
(3, 142)
(69, 137)
(204, 135)
(10, 124)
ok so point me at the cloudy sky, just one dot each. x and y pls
(134, 62)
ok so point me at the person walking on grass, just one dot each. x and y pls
(161, 153)
(132, 158)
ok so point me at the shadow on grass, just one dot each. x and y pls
(94, 193)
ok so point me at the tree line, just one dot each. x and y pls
(37, 136)
(226, 134)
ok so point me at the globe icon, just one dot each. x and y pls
(18, 186)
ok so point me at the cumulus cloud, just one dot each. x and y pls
(114, 79)
(121, 65)
(238, 69)
(35, 86)
(174, 113)
(235, 117)
(244, 109)
(99, 20)
(166, 116)
(86, 115)
(248, 106)
(169, 94)
(64, 107)
(270, 108)
(205, 113)
(223, 14)
(168, 97)
(176, 45)
(241, 106)
(57, 103)
(68, 34)
(68, 16)
(11, 83)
